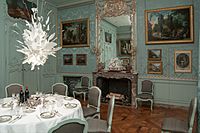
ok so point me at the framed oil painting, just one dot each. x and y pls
(169, 25)
(20, 8)
(183, 61)
(154, 54)
(81, 59)
(75, 33)
(124, 47)
(108, 37)
(68, 59)
(154, 67)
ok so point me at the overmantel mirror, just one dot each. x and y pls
(115, 32)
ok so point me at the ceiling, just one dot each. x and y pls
(63, 3)
(117, 21)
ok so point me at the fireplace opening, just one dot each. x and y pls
(120, 88)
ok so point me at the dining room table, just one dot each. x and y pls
(39, 114)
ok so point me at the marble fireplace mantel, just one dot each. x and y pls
(133, 77)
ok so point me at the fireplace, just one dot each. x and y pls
(121, 88)
(71, 82)
(122, 85)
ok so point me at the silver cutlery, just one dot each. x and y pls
(16, 118)
(38, 117)
(58, 114)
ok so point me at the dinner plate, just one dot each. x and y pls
(6, 105)
(5, 118)
(71, 105)
(68, 98)
(47, 115)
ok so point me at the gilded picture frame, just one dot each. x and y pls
(75, 33)
(154, 54)
(169, 25)
(108, 37)
(68, 59)
(154, 67)
(124, 47)
(81, 59)
(183, 61)
(20, 9)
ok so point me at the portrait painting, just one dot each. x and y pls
(68, 59)
(108, 37)
(75, 33)
(183, 61)
(124, 47)
(169, 25)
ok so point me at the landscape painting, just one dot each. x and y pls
(154, 54)
(169, 25)
(154, 67)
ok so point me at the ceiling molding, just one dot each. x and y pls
(75, 4)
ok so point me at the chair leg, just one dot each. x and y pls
(136, 103)
(84, 95)
(98, 116)
(151, 105)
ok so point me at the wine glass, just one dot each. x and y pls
(13, 96)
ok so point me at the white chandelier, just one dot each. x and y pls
(37, 45)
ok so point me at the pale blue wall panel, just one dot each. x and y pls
(166, 90)
(74, 13)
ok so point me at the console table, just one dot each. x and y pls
(133, 77)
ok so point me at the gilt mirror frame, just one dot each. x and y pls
(104, 8)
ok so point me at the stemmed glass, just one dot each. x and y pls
(13, 96)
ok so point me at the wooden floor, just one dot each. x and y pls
(141, 120)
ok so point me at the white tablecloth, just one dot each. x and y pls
(33, 123)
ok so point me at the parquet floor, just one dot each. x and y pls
(141, 120)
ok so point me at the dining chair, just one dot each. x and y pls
(94, 101)
(83, 89)
(60, 88)
(70, 126)
(147, 93)
(13, 88)
(100, 125)
(180, 126)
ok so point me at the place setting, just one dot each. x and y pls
(47, 115)
(70, 105)
(68, 98)
(6, 105)
(5, 118)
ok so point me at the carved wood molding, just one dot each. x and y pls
(108, 8)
